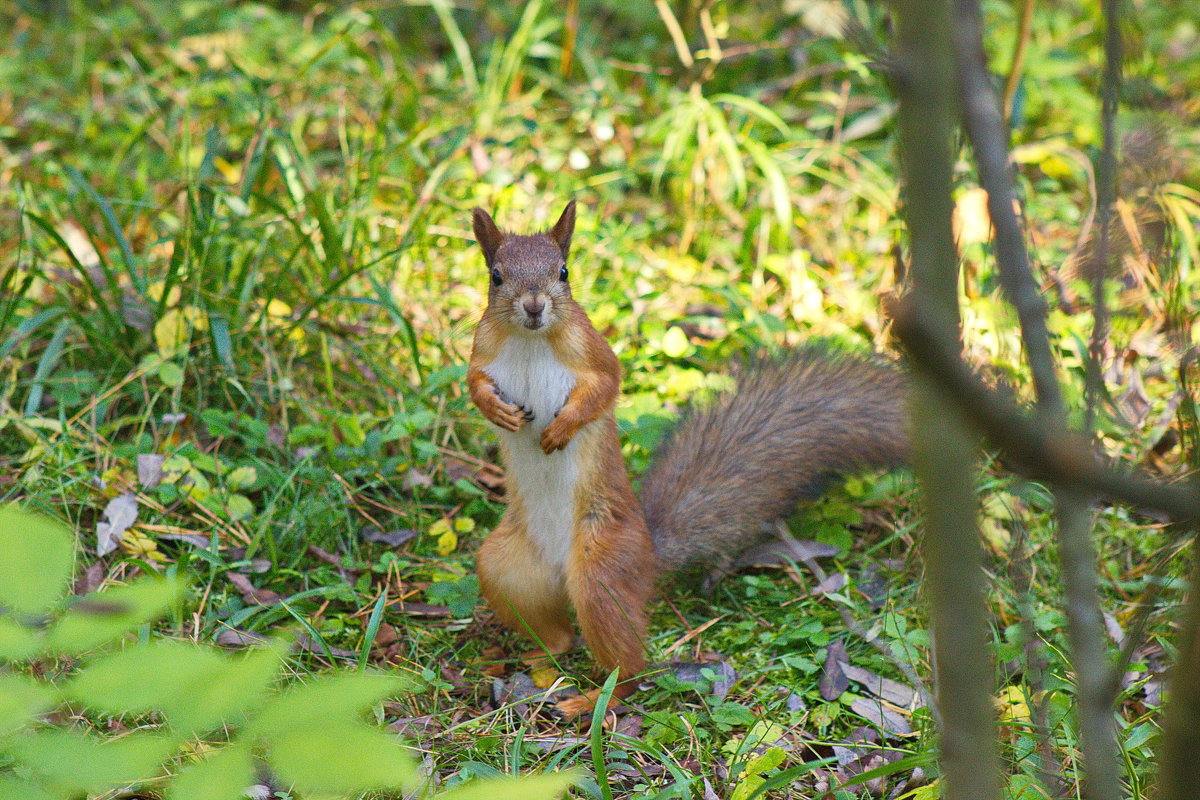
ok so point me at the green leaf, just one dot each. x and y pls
(241, 477)
(222, 776)
(549, 786)
(196, 687)
(36, 558)
(239, 506)
(17, 643)
(171, 374)
(72, 762)
(340, 758)
(16, 789)
(102, 616)
(331, 697)
(21, 700)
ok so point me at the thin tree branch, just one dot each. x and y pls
(1024, 34)
(1059, 458)
(1106, 197)
(945, 448)
(1181, 720)
(1085, 624)
(986, 131)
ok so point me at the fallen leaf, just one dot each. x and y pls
(394, 538)
(119, 514)
(545, 676)
(423, 610)
(90, 580)
(252, 595)
(413, 478)
(493, 662)
(693, 672)
(894, 692)
(150, 469)
(881, 715)
(832, 583)
(235, 637)
(833, 678)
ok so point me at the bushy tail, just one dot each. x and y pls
(748, 458)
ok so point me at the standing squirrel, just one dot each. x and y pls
(574, 534)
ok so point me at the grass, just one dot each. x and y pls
(236, 236)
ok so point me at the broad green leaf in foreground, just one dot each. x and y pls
(141, 678)
(36, 558)
(102, 616)
(341, 758)
(549, 786)
(21, 700)
(336, 697)
(222, 776)
(72, 763)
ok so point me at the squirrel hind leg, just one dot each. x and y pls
(525, 592)
(610, 578)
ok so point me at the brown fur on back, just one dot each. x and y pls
(747, 459)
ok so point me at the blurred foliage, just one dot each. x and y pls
(235, 239)
(165, 700)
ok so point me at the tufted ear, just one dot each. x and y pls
(560, 234)
(486, 233)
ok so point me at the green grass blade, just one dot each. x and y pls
(114, 227)
(458, 43)
(373, 623)
(596, 735)
(28, 326)
(46, 364)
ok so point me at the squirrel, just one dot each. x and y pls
(574, 535)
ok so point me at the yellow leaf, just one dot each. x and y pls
(440, 527)
(169, 332)
(675, 343)
(446, 543)
(279, 310)
(155, 292)
(995, 534)
(464, 525)
(972, 221)
(241, 477)
(1013, 705)
(138, 544)
(544, 676)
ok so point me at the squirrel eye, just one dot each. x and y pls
(562, 274)
(497, 278)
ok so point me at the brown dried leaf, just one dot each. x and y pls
(881, 715)
(833, 678)
(894, 692)
(251, 594)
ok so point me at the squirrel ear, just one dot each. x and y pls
(560, 234)
(486, 233)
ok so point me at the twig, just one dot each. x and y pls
(1060, 458)
(944, 447)
(1106, 196)
(1024, 34)
(985, 129)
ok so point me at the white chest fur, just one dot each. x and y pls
(529, 374)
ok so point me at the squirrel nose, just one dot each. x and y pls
(534, 306)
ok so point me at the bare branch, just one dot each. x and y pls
(1057, 457)
(986, 131)
(944, 447)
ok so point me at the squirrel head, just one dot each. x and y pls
(527, 275)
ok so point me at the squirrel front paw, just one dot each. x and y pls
(557, 436)
(508, 416)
